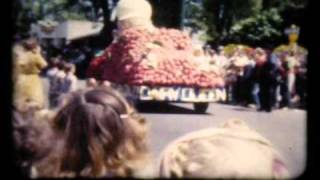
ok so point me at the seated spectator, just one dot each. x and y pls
(98, 135)
(231, 151)
(91, 82)
(106, 84)
(32, 140)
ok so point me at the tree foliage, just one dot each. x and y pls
(245, 21)
(264, 27)
(221, 21)
(167, 13)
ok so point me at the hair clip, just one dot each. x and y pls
(123, 116)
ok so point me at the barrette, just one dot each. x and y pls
(123, 116)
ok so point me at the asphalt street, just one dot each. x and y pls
(286, 129)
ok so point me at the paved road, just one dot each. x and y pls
(285, 129)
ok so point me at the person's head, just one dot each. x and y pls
(250, 54)
(105, 84)
(91, 82)
(30, 44)
(259, 52)
(54, 62)
(33, 139)
(130, 14)
(211, 52)
(70, 68)
(230, 151)
(207, 48)
(220, 49)
(98, 132)
(61, 65)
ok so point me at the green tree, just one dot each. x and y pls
(167, 13)
(216, 17)
(261, 29)
(259, 22)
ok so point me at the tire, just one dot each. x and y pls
(200, 107)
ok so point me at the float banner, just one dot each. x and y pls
(181, 94)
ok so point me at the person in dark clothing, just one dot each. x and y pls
(277, 63)
(256, 76)
(267, 82)
(247, 83)
(301, 84)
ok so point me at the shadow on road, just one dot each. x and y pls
(162, 108)
(244, 109)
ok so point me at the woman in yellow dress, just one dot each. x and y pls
(28, 63)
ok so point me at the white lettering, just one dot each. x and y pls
(145, 93)
(170, 94)
(181, 94)
(187, 94)
(221, 94)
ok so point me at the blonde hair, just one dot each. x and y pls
(120, 153)
(231, 151)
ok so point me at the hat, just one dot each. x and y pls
(233, 150)
(126, 9)
(241, 61)
(293, 29)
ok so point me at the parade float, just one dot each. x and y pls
(147, 63)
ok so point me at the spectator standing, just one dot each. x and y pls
(265, 80)
(28, 64)
(249, 82)
(292, 64)
(231, 78)
(60, 84)
(53, 81)
(276, 61)
(287, 87)
(70, 80)
(240, 61)
(301, 79)
(220, 58)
